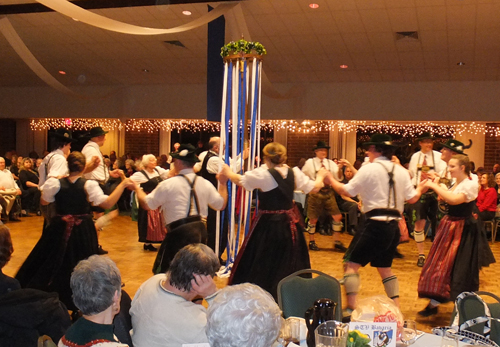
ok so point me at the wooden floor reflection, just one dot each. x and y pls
(135, 264)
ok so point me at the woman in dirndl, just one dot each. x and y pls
(150, 223)
(275, 246)
(460, 248)
(71, 235)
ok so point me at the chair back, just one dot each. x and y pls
(298, 291)
(45, 341)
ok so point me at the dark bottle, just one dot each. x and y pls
(322, 311)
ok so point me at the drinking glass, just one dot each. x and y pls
(449, 339)
(290, 332)
(409, 332)
(331, 334)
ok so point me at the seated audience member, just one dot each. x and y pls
(243, 315)
(26, 314)
(28, 178)
(497, 181)
(487, 197)
(9, 190)
(96, 285)
(7, 283)
(163, 312)
(348, 204)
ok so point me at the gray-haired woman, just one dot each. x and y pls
(96, 285)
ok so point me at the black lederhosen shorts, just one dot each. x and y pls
(374, 243)
(426, 207)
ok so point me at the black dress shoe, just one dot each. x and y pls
(428, 311)
(14, 219)
(339, 247)
(313, 246)
(150, 247)
(101, 251)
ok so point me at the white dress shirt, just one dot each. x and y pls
(100, 173)
(214, 163)
(56, 165)
(138, 177)
(7, 180)
(95, 194)
(433, 158)
(312, 166)
(371, 182)
(262, 179)
(173, 196)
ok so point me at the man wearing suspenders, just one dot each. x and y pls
(184, 201)
(384, 187)
(422, 163)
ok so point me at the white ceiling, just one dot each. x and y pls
(303, 45)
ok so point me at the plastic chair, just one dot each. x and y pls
(296, 293)
(45, 341)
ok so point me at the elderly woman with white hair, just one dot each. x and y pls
(96, 284)
(243, 315)
(150, 223)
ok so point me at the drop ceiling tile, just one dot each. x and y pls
(357, 42)
(461, 17)
(372, 4)
(259, 7)
(392, 75)
(422, 3)
(399, 3)
(403, 19)
(296, 23)
(376, 20)
(487, 15)
(364, 61)
(431, 18)
(253, 26)
(322, 23)
(462, 75)
(319, 62)
(382, 42)
(487, 59)
(411, 60)
(289, 6)
(437, 74)
(487, 39)
(308, 44)
(466, 57)
(436, 60)
(433, 40)
(272, 25)
(341, 5)
(332, 44)
(461, 40)
(408, 45)
(387, 61)
(348, 21)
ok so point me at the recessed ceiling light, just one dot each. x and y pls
(145, 70)
(313, 6)
(76, 20)
(186, 13)
(460, 63)
(62, 72)
(343, 66)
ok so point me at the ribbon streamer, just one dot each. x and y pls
(73, 11)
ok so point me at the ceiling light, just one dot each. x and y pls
(460, 63)
(145, 70)
(343, 66)
(62, 72)
(313, 6)
(186, 13)
(76, 20)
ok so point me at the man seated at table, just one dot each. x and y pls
(164, 310)
(243, 315)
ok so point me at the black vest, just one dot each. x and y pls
(204, 172)
(281, 197)
(72, 197)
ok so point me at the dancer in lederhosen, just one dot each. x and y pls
(150, 224)
(275, 246)
(460, 248)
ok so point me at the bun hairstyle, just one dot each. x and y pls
(463, 160)
(275, 152)
(76, 162)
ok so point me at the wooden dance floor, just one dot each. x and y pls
(120, 239)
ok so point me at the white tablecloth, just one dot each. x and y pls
(429, 340)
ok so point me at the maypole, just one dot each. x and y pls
(240, 106)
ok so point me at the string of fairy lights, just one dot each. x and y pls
(404, 129)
